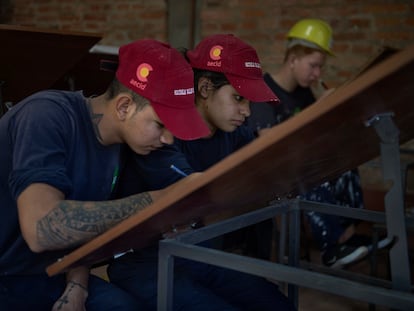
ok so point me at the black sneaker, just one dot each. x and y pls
(343, 255)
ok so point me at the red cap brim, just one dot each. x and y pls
(186, 124)
(255, 90)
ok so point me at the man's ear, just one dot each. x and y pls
(203, 86)
(292, 58)
(123, 105)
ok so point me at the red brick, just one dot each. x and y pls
(359, 26)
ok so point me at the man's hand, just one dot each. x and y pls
(76, 291)
(72, 299)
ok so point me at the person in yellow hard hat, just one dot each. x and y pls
(313, 33)
(308, 46)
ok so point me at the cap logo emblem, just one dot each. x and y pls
(215, 55)
(143, 72)
(215, 52)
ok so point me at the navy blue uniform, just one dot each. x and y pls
(265, 115)
(47, 138)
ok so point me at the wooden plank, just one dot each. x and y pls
(32, 59)
(88, 76)
(318, 144)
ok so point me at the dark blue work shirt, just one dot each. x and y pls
(48, 138)
(265, 115)
(153, 171)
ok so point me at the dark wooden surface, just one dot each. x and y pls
(33, 59)
(318, 144)
(87, 75)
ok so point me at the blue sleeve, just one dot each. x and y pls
(156, 167)
(40, 147)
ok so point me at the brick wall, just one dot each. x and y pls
(119, 21)
(360, 27)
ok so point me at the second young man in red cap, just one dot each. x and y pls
(227, 75)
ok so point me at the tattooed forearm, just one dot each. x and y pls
(74, 222)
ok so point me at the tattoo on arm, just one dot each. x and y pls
(74, 222)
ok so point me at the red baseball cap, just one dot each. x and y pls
(237, 60)
(159, 73)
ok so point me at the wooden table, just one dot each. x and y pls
(34, 59)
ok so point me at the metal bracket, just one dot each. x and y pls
(394, 199)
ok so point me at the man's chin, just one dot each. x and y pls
(143, 151)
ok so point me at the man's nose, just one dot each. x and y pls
(167, 137)
(245, 109)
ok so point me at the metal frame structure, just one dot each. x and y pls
(395, 294)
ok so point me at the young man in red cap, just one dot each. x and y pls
(227, 76)
(58, 165)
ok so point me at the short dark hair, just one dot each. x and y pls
(218, 79)
(116, 87)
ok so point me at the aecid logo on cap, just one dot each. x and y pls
(142, 73)
(215, 55)
(215, 52)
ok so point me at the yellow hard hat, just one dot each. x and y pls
(314, 31)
